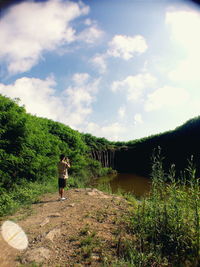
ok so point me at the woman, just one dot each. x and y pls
(63, 166)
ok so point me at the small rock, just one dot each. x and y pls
(95, 257)
(44, 222)
(96, 190)
(88, 189)
(91, 193)
(98, 193)
(38, 255)
(52, 234)
(77, 190)
(71, 205)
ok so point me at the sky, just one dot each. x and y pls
(119, 69)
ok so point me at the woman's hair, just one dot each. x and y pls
(62, 156)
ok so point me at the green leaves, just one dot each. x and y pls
(30, 147)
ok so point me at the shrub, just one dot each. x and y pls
(166, 224)
(7, 203)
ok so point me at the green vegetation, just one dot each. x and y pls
(177, 147)
(29, 152)
(165, 225)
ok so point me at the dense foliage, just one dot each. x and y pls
(30, 149)
(165, 226)
(177, 147)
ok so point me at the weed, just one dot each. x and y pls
(101, 215)
(165, 224)
(89, 242)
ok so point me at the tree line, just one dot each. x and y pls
(177, 147)
(30, 147)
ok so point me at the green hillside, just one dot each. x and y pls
(30, 147)
(29, 151)
(163, 227)
(177, 147)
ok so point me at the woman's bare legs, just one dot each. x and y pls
(61, 192)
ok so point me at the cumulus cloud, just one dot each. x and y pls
(80, 78)
(40, 97)
(90, 35)
(120, 46)
(126, 46)
(138, 118)
(134, 86)
(79, 98)
(111, 132)
(184, 27)
(30, 28)
(99, 61)
(166, 97)
(37, 95)
(122, 112)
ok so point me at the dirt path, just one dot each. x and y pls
(83, 230)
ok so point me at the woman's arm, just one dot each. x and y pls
(67, 163)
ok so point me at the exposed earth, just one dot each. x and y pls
(86, 229)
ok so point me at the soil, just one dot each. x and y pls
(83, 230)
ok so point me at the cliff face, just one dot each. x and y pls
(177, 147)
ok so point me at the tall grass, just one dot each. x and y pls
(24, 193)
(165, 225)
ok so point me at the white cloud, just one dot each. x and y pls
(167, 96)
(30, 28)
(134, 86)
(122, 112)
(111, 132)
(121, 46)
(99, 61)
(40, 98)
(80, 78)
(37, 95)
(185, 31)
(138, 118)
(187, 69)
(90, 35)
(88, 22)
(126, 46)
(79, 98)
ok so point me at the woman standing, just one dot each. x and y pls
(63, 166)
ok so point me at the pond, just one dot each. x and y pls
(125, 182)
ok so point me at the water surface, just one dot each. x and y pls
(126, 182)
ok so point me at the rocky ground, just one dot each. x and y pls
(86, 229)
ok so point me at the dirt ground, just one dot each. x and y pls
(83, 230)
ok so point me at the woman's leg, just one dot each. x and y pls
(61, 192)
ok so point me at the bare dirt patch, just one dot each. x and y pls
(82, 230)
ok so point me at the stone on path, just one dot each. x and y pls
(98, 193)
(44, 222)
(38, 255)
(71, 205)
(52, 234)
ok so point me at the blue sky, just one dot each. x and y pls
(119, 69)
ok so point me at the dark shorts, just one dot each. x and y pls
(61, 183)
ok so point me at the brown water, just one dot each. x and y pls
(126, 182)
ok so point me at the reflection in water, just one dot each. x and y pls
(138, 185)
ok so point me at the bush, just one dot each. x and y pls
(166, 224)
(7, 203)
